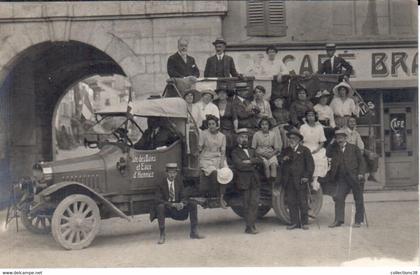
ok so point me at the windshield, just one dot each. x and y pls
(116, 128)
(108, 125)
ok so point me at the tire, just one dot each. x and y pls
(262, 211)
(75, 222)
(282, 211)
(39, 224)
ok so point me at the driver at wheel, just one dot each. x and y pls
(156, 135)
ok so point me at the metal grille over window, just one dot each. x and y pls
(266, 18)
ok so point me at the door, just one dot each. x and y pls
(400, 144)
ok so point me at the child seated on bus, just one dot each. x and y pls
(281, 116)
(267, 145)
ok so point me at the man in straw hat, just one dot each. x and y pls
(297, 166)
(247, 178)
(335, 64)
(347, 170)
(173, 203)
(220, 64)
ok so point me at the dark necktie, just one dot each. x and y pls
(171, 192)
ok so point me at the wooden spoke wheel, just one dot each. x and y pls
(282, 211)
(38, 224)
(75, 222)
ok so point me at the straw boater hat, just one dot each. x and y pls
(330, 46)
(171, 166)
(224, 175)
(294, 132)
(219, 40)
(350, 91)
(340, 132)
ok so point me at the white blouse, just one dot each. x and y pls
(199, 112)
(325, 112)
(344, 108)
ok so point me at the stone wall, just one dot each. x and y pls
(138, 36)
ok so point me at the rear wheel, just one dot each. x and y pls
(262, 210)
(282, 211)
(75, 222)
(38, 224)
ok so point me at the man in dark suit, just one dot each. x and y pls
(156, 135)
(297, 167)
(247, 179)
(244, 113)
(335, 64)
(180, 64)
(220, 64)
(173, 203)
(347, 170)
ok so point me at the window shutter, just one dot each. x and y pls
(256, 20)
(276, 21)
(266, 18)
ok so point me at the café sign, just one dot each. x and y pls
(368, 64)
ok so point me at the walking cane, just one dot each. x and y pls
(366, 219)
(309, 203)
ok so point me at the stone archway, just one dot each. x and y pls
(30, 90)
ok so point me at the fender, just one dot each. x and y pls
(59, 186)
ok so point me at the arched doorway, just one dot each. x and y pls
(37, 79)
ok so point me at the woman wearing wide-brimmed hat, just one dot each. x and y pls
(343, 104)
(226, 112)
(325, 114)
(205, 107)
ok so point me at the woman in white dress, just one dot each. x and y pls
(212, 147)
(314, 138)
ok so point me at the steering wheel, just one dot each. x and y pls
(122, 136)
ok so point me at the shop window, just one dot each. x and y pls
(266, 18)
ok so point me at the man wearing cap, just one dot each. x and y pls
(180, 64)
(335, 64)
(220, 64)
(247, 179)
(244, 112)
(172, 202)
(297, 166)
(347, 170)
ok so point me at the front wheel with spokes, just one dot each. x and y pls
(39, 223)
(75, 222)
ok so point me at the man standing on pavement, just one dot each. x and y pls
(180, 64)
(370, 157)
(297, 166)
(335, 64)
(173, 203)
(347, 169)
(247, 179)
(220, 64)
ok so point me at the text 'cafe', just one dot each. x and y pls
(387, 78)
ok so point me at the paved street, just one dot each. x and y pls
(393, 235)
